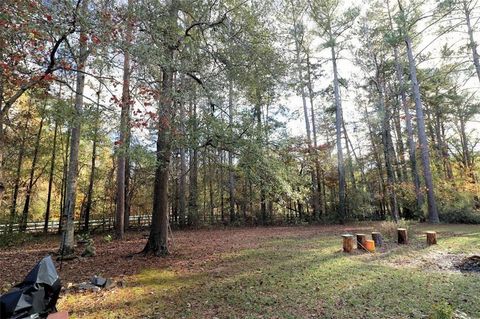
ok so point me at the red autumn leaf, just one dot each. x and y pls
(83, 38)
(95, 39)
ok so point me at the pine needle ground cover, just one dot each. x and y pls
(297, 272)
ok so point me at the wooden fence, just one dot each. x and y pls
(103, 224)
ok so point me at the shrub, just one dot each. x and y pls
(441, 311)
(457, 206)
(108, 238)
(14, 239)
(389, 228)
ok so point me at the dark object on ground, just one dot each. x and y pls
(36, 295)
(377, 238)
(101, 282)
(470, 264)
(402, 236)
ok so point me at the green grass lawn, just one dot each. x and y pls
(299, 277)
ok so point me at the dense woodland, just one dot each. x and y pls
(184, 110)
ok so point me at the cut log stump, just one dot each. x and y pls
(402, 236)
(347, 243)
(361, 238)
(431, 238)
(370, 245)
(377, 238)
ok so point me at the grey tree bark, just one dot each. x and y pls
(68, 239)
(124, 132)
(422, 137)
(338, 128)
(408, 123)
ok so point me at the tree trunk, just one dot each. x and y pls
(321, 186)
(338, 127)
(50, 178)
(314, 184)
(3, 116)
(402, 170)
(231, 176)
(378, 162)
(124, 123)
(13, 209)
(422, 137)
(193, 178)
(387, 148)
(157, 243)
(88, 205)
(68, 238)
(408, 123)
(2, 140)
(26, 206)
(63, 193)
(182, 199)
(211, 174)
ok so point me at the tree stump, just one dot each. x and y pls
(370, 245)
(402, 236)
(377, 238)
(361, 241)
(347, 243)
(431, 238)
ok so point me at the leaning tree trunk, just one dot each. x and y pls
(68, 238)
(422, 137)
(338, 128)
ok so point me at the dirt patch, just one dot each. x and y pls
(440, 261)
(470, 264)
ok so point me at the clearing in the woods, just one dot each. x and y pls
(278, 272)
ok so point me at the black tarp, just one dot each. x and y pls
(36, 294)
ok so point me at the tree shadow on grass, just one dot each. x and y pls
(286, 278)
